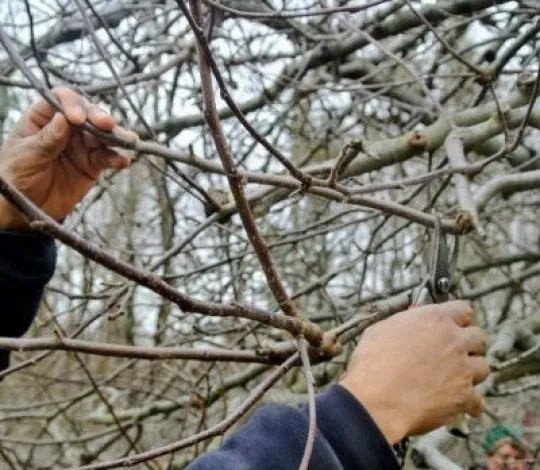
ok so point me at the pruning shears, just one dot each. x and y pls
(436, 287)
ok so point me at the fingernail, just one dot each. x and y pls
(121, 162)
(128, 136)
(81, 113)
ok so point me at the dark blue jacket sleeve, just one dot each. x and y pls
(27, 262)
(275, 437)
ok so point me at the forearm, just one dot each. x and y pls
(275, 438)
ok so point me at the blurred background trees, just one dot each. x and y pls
(359, 98)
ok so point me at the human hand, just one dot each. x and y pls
(416, 371)
(52, 161)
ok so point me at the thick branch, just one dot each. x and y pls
(506, 185)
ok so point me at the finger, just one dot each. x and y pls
(100, 118)
(109, 159)
(476, 405)
(106, 122)
(74, 106)
(90, 142)
(93, 146)
(41, 112)
(53, 138)
(38, 115)
(479, 367)
(460, 311)
(474, 340)
(92, 156)
(125, 134)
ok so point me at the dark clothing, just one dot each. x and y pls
(27, 262)
(275, 436)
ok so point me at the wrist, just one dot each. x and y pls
(390, 419)
(10, 217)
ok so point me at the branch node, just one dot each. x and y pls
(464, 221)
(331, 347)
(485, 77)
(418, 140)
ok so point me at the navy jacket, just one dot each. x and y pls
(27, 262)
(273, 438)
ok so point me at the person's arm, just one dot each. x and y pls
(27, 262)
(409, 374)
(54, 163)
(275, 438)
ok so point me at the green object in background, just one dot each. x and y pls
(499, 434)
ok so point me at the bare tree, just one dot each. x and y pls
(292, 161)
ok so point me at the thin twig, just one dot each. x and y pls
(43, 222)
(210, 66)
(455, 152)
(136, 352)
(310, 381)
(282, 14)
(456, 55)
(346, 154)
(235, 181)
(215, 430)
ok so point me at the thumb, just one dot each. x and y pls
(54, 137)
(476, 406)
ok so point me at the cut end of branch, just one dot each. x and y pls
(464, 221)
(331, 347)
(418, 141)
